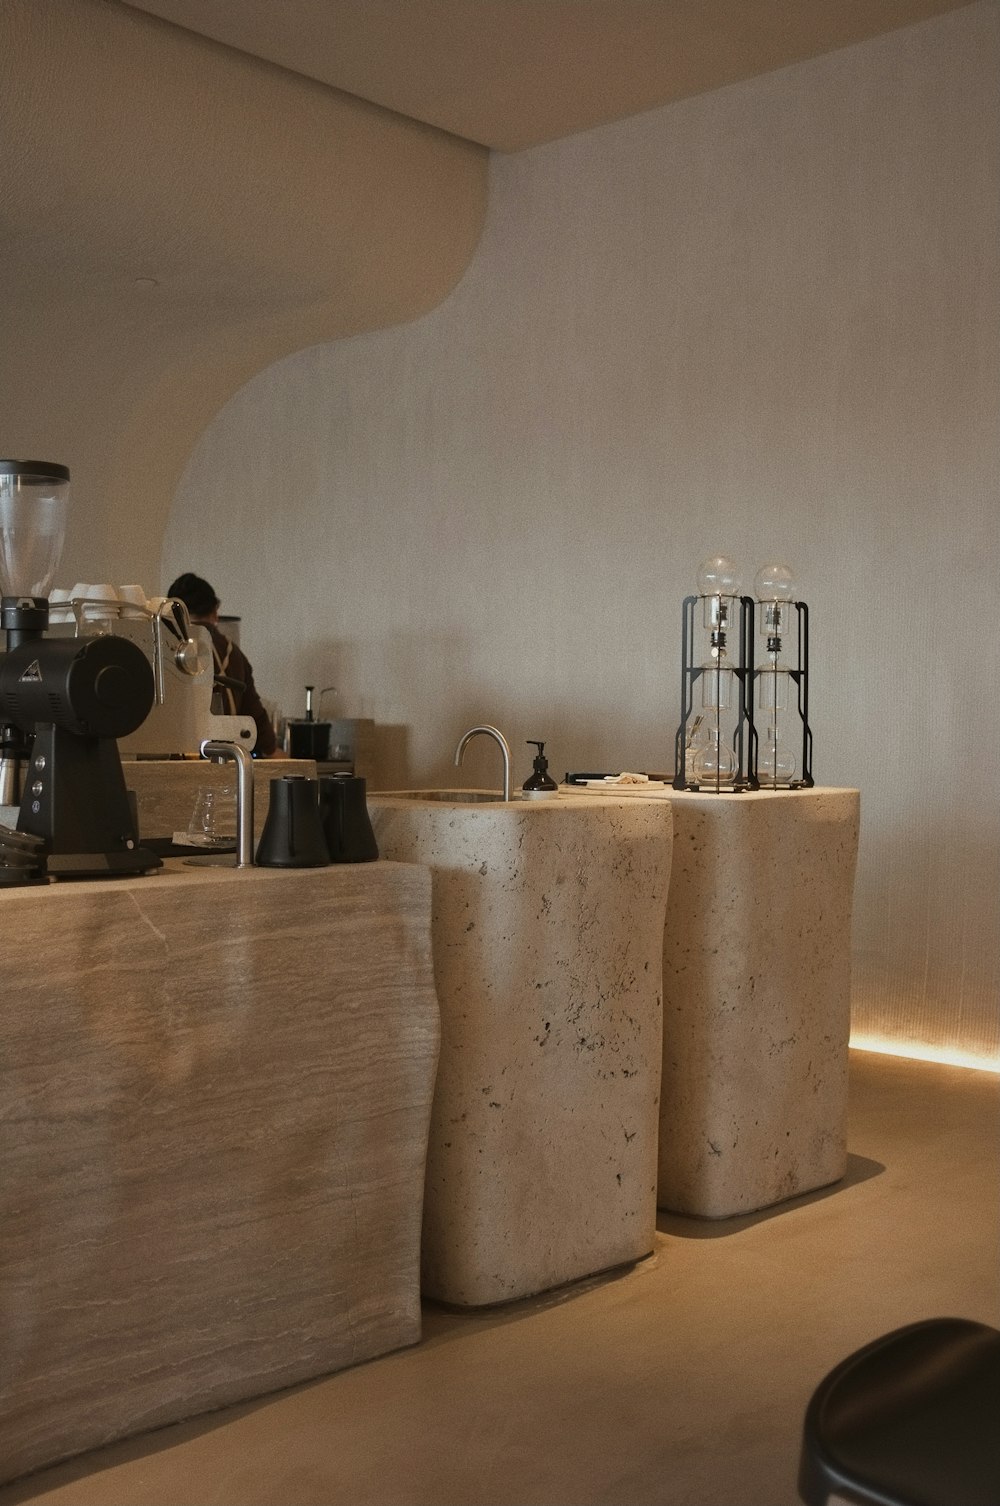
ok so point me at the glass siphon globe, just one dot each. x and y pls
(775, 762)
(718, 577)
(774, 583)
(714, 761)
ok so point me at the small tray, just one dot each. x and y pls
(166, 847)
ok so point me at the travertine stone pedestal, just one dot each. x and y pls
(215, 1092)
(548, 935)
(756, 966)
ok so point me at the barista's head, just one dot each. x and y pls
(197, 595)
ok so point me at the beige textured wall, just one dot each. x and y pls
(763, 320)
(173, 217)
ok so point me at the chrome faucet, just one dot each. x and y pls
(244, 795)
(497, 737)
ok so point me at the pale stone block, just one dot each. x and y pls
(548, 937)
(216, 1087)
(756, 970)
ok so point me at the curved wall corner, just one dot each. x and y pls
(174, 216)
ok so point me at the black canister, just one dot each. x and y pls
(293, 832)
(346, 823)
(308, 738)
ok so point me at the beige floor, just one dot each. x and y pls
(681, 1381)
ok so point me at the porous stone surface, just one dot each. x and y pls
(216, 1087)
(756, 980)
(548, 935)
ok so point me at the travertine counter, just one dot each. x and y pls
(548, 940)
(756, 984)
(215, 1091)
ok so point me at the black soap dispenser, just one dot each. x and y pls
(541, 785)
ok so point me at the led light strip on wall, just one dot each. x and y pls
(916, 1052)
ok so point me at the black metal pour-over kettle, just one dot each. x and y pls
(313, 822)
(346, 823)
(293, 831)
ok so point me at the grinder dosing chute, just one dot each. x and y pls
(63, 702)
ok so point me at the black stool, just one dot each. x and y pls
(912, 1419)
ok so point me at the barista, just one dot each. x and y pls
(230, 661)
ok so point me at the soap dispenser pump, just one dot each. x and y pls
(541, 785)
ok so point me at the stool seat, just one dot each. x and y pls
(912, 1419)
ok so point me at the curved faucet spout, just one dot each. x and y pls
(497, 737)
(244, 795)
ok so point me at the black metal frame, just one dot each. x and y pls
(745, 733)
(746, 743)
(800, 679)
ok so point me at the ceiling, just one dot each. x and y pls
(510, 74)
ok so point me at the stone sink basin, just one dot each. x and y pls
(547, 934)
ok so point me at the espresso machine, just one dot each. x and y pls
(64, 702)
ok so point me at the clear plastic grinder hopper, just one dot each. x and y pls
(34, 497)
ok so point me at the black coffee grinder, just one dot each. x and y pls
(64, 701)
